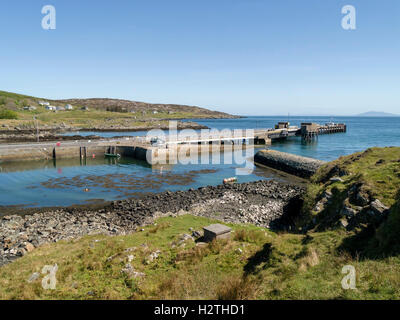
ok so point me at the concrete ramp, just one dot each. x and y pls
(296, 165)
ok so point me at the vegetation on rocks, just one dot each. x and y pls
(358, 193)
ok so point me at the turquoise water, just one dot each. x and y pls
(67, 182)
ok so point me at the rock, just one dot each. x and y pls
(196, 234)
(362, 198)
(336, 179)
(130, 258)
(153, 256)
(130, 272)
(378, 207)
(344, 223)
(348, 212)
(186, 237)
(238, 250)
(201, 244)
(29, 247)
(34, 277)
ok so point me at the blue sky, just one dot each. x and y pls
(254, 57)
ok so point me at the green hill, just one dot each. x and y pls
(98, 113)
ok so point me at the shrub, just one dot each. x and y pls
(8, 114)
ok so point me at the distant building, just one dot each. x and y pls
(60, 108)
(282, 125)
(68, 107)
(30, 108)
(44, 103)
(51, 108)
(155, 112)
(85, 108)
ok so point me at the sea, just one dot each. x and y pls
(52, 183)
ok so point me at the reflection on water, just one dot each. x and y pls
(73, 181)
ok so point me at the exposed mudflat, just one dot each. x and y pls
(263, 203)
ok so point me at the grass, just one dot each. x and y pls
(254, 264)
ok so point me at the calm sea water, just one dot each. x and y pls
(67, 182)
(362, 133)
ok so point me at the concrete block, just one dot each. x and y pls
(216, 231)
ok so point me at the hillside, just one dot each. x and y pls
(14, 101)
(17, 113)
(377, 114)
(361, 194)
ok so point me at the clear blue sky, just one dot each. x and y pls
(254, 57)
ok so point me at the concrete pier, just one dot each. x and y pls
(166, 146)
(296, 165)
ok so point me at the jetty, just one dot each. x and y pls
(168, 145)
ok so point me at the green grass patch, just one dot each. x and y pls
(254, 264)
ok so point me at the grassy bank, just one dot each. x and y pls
(254, 264)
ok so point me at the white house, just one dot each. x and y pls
(43, 103)
(60, 108)
(68, 107)
(30, 108)
(51, 108)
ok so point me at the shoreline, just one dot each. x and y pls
(54, 134)
(265, 203)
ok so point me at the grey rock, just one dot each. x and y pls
(378, 207)
(34, 277)
(349, 212)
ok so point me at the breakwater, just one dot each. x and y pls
(296, 165)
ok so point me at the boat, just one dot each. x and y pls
(112, 155)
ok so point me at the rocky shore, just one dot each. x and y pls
(54, 133)
(269, 204)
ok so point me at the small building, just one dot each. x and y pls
(155, 111)
(69, 107)
(44, 103)
(30, 108)
(309, 127)
(59, 108)
(84, 108)
(51, 108)
(282, 125)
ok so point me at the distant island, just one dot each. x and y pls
(377, 114)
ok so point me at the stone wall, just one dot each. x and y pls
(299, 166)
